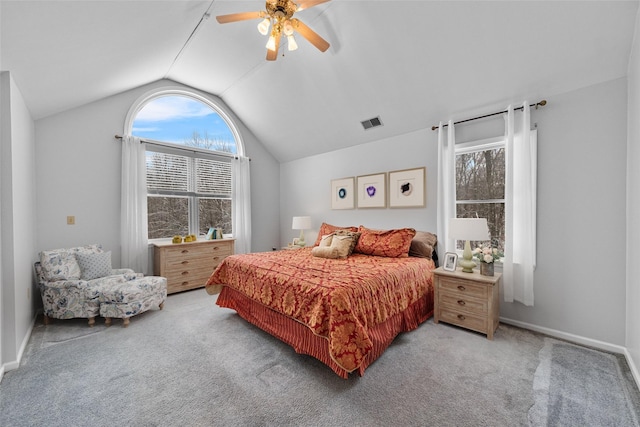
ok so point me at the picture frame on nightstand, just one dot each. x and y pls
(450, 261)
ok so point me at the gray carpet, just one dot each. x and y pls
(196, 364)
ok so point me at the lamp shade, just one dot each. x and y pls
(468, 229)
(301, 223)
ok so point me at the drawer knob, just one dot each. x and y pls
(461, 317)
(184, 273)
(185, 283)
(461, 302)
(216, 248)
(462, 288)
(185, 262)
(185, 251)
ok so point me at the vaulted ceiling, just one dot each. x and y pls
(409, 62)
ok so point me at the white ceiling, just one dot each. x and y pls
(409, 62)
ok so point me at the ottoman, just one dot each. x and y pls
(128, 298)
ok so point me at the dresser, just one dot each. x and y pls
(469, 300)
(189, 265)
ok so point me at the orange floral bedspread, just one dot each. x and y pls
(338, 299)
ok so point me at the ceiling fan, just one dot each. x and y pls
(279, 17)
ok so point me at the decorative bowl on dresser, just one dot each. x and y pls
(469, 300)
(189, 265)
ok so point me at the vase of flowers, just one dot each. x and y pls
(486, 256)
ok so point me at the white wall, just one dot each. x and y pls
(580, 276)
(580, 279)
(18, 218)
(633, 208)
(305, 184)
(78, 162)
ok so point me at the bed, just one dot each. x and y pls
(344, 311)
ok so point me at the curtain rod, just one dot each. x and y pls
(536, 105)
(158, 143)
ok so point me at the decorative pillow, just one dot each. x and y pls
(353, 235)
(423, 244)
(61, 264)
(325, 252)
(388, 243)
(329, 229)
(94, 266)
(326, 240)
(341, 245)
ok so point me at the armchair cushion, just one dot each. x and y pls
(94, 265)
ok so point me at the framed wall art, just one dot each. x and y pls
(407, 188)
(342, 193)
(371, 191)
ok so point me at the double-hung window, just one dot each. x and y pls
(480, 185)
(187, 193)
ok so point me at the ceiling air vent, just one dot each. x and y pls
(371, 123)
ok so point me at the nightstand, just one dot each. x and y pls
(469, 300)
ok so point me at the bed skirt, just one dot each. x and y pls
(304, 341)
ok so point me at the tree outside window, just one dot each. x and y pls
(480, 184)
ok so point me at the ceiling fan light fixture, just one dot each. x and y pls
(291, 42)
(271, 44)
(288, 28)
(263, 26)
(277, 21)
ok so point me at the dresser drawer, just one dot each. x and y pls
(463, 287)
(462, 302)
(466, 320)
(189, 252)
(192, 273)
(187, 263)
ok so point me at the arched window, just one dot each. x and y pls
(190, 144)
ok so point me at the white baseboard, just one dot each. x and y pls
(600, 345)
(633, 367)
(10, 366)
(578, 339)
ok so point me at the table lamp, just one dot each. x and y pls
(468, 229)
(301, 223)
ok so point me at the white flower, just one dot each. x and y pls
(488, 258)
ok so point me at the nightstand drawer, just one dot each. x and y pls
(463, 287)
(463, 319)
(458, 302)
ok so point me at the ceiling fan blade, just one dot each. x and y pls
(242, 16)
(272, 55)
(306, 4)
(310, 35)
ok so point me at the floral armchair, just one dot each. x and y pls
(72, 281)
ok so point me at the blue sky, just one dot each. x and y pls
(175, 118)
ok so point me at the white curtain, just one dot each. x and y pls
(446, 188)
(241, 196)
(133, 229)
(520, 208)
